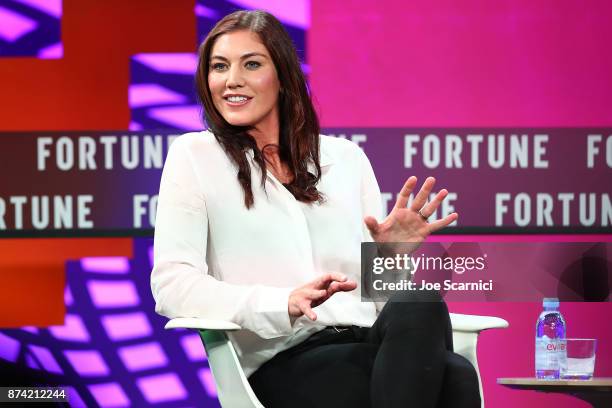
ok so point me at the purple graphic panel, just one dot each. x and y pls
(161, 93)
(9, 348)
(109, 395)
(108, 264)
(73, 330)
(161, 388)
(106, 294)
(127, 326)
(44, 358)
(144, 356)
(31, 28)
(87, 363)
(111, 353)
(193, 348)
(208, 382)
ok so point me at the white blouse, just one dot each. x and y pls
(216, 259)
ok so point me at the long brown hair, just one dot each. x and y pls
(299, 125)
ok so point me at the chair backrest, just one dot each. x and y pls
(233, 388)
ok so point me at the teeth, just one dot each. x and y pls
(237, 98)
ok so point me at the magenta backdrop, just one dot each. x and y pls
(474, 63)
(462, 63)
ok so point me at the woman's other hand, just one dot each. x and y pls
(409, 224)
(303, 299)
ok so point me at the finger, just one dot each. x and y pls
(305, 307)
(372, 224)
(323, 281)
(421, 198)
(345, 286)
(332, 288)
(315, 294)
(335, 287)
(439, 224)
(404, 194)
(433, 205)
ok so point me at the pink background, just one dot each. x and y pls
(462, 62)
(475, 63)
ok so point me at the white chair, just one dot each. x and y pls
(233, 387)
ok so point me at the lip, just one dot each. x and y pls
(237, 103)
(225, 98)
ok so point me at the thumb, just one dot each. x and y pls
(371, 223)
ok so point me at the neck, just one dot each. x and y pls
(263, 139)
(267, 131)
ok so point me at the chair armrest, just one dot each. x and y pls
(460, 322)
(233, 388)
(201, 324)
(472, 323)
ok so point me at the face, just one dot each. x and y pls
(243, 81)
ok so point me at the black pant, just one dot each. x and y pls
(404, 360)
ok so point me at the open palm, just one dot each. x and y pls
(409, 224)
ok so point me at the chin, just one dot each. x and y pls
(234, 121)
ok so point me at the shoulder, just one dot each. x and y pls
(195, 145)
(194, 140)
(337, 148)
(194, 150)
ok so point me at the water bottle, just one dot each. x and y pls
(550, 340)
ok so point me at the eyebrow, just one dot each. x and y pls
(243, 57)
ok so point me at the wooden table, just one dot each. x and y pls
(597, 391)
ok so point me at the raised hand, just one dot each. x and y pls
(410, 225)
(303, 299)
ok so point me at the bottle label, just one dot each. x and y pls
(549, 353)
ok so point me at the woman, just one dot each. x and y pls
(260, 221)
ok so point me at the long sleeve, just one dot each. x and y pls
(371, 199)
(181, 282)
(371, 203)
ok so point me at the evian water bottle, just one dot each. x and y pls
(550, 340)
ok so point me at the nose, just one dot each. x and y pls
(234, 77)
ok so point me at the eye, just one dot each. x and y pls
(252, 65)
(219, 66)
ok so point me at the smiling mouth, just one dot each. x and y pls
(236, 100)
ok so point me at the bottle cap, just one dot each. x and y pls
(551, 302)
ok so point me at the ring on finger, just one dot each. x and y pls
(422, 215)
